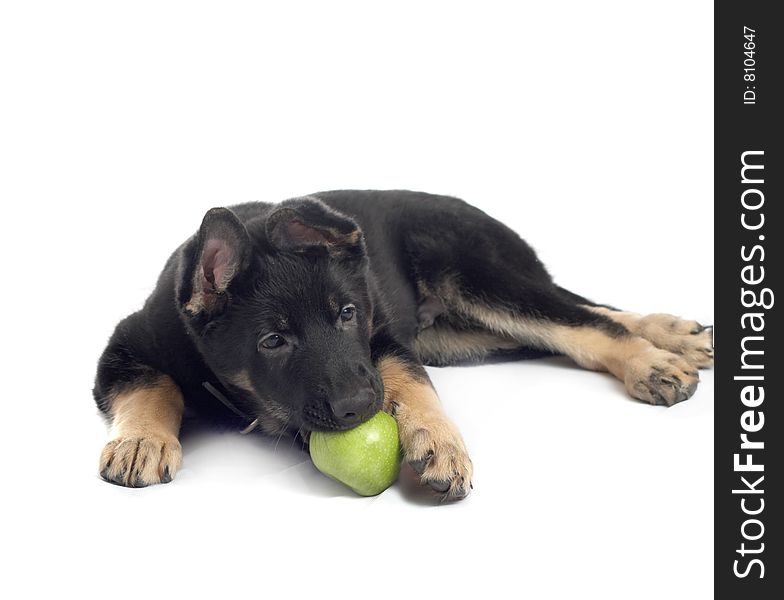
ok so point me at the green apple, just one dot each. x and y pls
(365, 458)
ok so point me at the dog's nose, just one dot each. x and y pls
(353, 408)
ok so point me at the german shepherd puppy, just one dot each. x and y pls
(315, 313)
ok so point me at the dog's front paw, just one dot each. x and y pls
(660, 377)
(436, 451)
(141, 461)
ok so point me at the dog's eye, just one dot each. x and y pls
(347, 312)
(273, 340)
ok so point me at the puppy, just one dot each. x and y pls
(315, 313)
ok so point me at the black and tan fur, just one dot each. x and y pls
(314, 313)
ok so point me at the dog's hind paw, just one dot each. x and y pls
(689, 339)
(439, 456)
(660, 377)
(140, 461)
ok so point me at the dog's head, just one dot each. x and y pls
(280, 308)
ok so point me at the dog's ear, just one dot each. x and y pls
(307, 224)
(220, 253)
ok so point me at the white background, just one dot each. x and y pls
(586, 126)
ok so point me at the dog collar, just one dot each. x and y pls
(227, 403)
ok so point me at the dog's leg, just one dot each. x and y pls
(689, 339)
(144, 448)
(649, 373)
(592, 340)
(431, 442)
